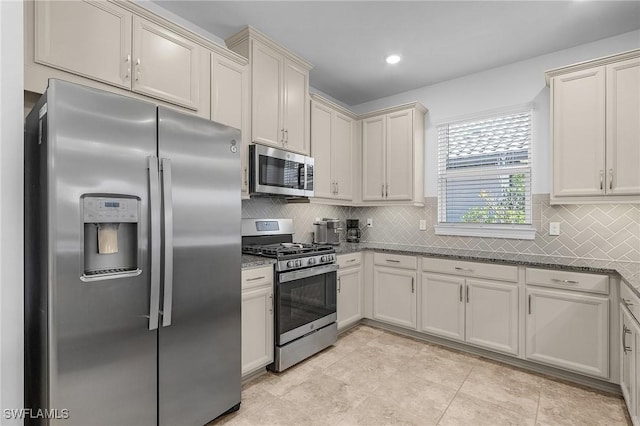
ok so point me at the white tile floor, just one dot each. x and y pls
(373, 377)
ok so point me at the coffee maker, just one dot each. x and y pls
(353, 230)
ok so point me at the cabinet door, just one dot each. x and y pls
(324, 185)
(296, 108)
(579, 133)
(568, 330)
(166, 65)
(623, 128)
(257, 328)
(349, 296)
(342, 158)
(443, 306)
(399, 149)
(492, 315)
(266, 94)
(628, 357)
(373, 158)
(394, 296)
(229, 103)
(228, 91)
(92, 39)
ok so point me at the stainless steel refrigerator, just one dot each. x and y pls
(132, 262)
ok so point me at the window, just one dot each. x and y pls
(484, 176)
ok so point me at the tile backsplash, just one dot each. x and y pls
(599, 231)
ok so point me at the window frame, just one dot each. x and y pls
(493, 230)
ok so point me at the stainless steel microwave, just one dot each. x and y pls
(273, 171)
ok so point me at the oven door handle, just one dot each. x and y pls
(306, 273)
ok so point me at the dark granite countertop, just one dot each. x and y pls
(628, 271)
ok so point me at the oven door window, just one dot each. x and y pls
(305, 300)
(281, 173)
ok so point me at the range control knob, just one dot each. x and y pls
(323, 258)
(298, 262)
(291, 264)
(311, 261)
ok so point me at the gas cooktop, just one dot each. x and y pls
(287, 250)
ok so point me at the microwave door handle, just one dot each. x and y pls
(165, 166)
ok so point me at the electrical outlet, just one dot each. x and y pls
(554, 228)
(423, 225)
(369, 223)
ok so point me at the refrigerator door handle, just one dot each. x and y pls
(154, 207)
(165, 165)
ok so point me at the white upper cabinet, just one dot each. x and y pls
(623, 127)
(92, 39)
(393, 155)
(279, 91)
(332, 147)
(126, 49)
(165, 64)
(596, 130)
(230, 103)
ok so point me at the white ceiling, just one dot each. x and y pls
(438, 40)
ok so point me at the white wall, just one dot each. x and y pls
(11, 212)
(515, 84)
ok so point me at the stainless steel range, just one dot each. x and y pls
(305, 289)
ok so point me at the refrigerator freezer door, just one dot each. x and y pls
(199, 352)
(88, 340)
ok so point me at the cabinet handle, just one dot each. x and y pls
(392, 260)
(286, 137)
(457, 268)
(282, 135)
(460, 285)
(271, 309)
(339, 285)
(337, 188)
(627, 302)
(556, 280)
(625, 331)
(255, 279)
(386, 191)
(382, 190)
(610, 178)
(601, 180)
(128, 62)
(467, 294)
(350, 261)
(138, 69)
(413, 286)
(245, 177)
(529, 304)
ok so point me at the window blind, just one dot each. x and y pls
(484, 170)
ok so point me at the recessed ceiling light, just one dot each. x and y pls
(393, 59)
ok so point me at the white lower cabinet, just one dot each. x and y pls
(394, 295)
(629, 362)
(349, 300)
(480, 312)
(257, 319)
(568, 330)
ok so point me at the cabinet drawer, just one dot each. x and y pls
(630, 300)
(395, 260)
(350, 259)
(471, 269)
(567, 280)
(257, 277)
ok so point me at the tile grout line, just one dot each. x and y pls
(535, 421)
(454, 396)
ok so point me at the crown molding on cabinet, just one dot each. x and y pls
(318, 98)
(417, 105)
(580, 66)
(250, 32)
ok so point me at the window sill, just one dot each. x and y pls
(515, 232)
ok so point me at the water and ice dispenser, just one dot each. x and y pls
(110, 236)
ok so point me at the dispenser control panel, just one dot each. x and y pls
(110, 210)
